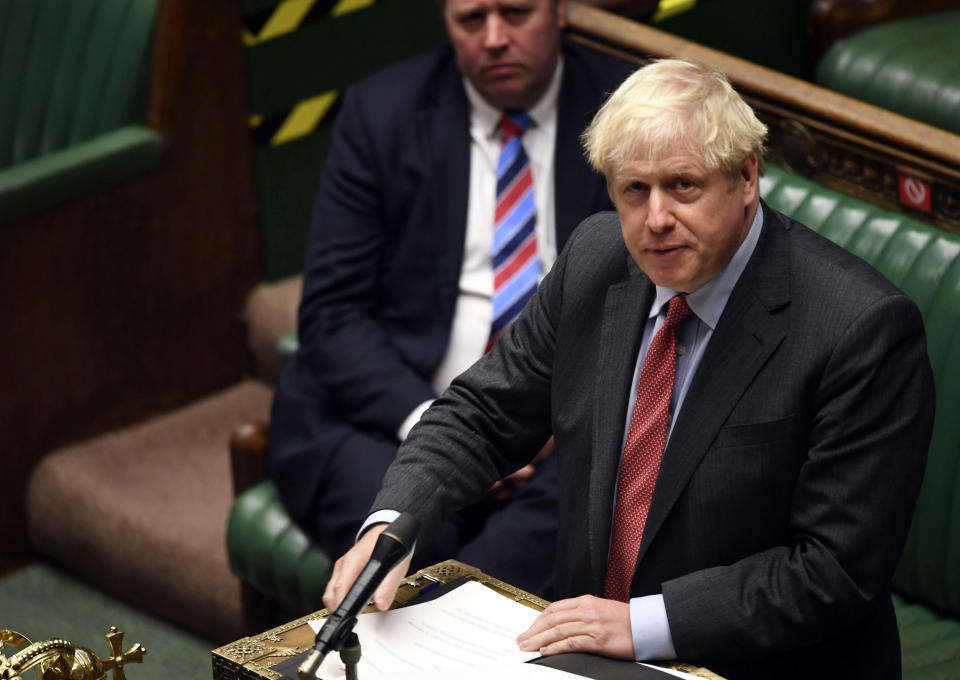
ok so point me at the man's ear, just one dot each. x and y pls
(750, 174)
(561, 9)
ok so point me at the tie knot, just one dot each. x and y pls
(677, 311)
(514, 124)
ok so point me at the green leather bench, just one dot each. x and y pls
(910, 66)
(924, 262)
(272, 554)
(73, 89)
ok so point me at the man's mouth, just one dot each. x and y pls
(501, 70)
(665, 250)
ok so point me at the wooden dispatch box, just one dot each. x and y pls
(254, 658)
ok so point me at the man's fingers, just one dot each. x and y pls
(545, 452)
(548, 627)
(576, 643)
(521, 476)
(348, 567)
(502, 489)
(387, 590)
(582, 624)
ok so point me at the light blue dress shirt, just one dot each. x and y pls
(648, 615)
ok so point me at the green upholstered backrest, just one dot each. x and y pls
(924, 261)
(910, 66)
(70, 71)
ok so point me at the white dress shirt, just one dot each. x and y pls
(473, 314)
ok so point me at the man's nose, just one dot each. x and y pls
(494, 32)
(659, 211)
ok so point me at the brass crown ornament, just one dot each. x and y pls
(58, 659)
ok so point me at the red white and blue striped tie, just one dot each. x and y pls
(516, 267)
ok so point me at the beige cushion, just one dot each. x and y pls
(270, 312)
(142, 512)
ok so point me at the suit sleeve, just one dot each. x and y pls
(344, 343)
(852, 503)
(490, 422)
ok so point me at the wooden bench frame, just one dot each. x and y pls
(838, 141)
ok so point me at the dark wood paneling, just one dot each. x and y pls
(127, 302)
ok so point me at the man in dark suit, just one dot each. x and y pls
(398, 276)
(744, 508)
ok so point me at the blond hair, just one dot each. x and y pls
(671, 104)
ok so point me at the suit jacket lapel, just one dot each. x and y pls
(444, 135)
(625, 309)
(746, 336)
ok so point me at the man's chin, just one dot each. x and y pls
(507, 93)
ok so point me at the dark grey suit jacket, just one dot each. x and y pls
(787, 487)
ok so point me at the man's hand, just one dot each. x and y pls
(582, 624)
(348, 568)
(505, 488)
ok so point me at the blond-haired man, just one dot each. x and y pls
(757, 534)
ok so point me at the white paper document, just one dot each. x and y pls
(470, 633)
(469, 627)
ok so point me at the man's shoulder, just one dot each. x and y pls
(409, 81)
(596, 247)
(816, 261)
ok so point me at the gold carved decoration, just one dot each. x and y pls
(58, 659)
(793, 147)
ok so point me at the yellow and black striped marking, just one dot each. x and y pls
(288, 15)
(300, 121)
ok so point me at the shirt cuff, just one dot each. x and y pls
(381, 517)
(412, 419)
(378, 517)
(651, 630)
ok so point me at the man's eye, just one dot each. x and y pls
(515, 14)
(471, 20)
(684, 184)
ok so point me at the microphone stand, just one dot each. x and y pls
(392, 546)
(350, 655)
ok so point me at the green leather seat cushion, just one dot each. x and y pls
(910, 66)
(269, 551)
(103, 161)
(930, 642)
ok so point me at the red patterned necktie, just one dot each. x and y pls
(643, 451)
(516, 267)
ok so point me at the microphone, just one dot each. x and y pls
(392, 546)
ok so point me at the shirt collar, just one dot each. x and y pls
(708, 301)
(487, 118)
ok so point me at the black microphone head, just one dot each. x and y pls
(404, 529)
